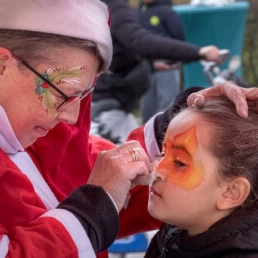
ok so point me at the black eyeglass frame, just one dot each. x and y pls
(66, 98)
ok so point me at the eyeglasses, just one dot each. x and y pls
(67, 100)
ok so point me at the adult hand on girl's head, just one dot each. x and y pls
(197, 96)
(229, 89)
(115, 170)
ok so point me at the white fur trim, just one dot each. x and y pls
(150, 140)
(26, 165)
(75, 229)
(4, 245)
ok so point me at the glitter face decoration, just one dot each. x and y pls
(57, 76)
(179, 161)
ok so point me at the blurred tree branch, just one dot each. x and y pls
(250, 51)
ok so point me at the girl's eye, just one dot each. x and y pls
(179, 164)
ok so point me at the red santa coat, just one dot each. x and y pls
(28, 228)
(29, 223)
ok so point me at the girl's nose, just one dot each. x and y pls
(160, 171)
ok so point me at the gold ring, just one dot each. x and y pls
(135, 154)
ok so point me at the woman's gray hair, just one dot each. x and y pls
(35, 47)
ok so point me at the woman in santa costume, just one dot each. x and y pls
(50, 55)
(55, 201)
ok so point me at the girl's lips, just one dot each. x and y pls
(154, 192)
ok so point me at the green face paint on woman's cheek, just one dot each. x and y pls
(57, 76)
(180, 163)
(44, 95)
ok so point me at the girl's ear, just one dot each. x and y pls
(5, 55)
(235, 194)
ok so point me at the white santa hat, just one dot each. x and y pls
(85, 19)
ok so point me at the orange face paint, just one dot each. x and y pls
(179, 160)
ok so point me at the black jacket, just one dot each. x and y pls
(159, 18)
(132, 43)
(235, 236)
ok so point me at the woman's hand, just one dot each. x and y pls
(229, 89)
(115, 170)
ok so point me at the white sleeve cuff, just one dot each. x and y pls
(75, 229)
(4, 245)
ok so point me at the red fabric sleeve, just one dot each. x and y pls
(65, 158)
(20, 220)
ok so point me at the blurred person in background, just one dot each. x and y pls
(158, 17)
(118, 93)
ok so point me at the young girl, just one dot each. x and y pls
(206, 185)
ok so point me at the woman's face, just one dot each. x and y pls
(186, 190)
(31, 105)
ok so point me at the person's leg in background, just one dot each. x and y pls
(168, 87)
(148, 102)
(165, 86)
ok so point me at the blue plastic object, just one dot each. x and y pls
(134, 244)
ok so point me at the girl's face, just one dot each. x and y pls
(31, 105)
(186, 189)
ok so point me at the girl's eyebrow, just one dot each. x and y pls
(181, 147)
